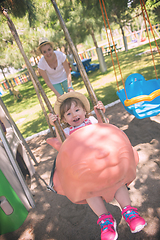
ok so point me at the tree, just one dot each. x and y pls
(90, 18)
(81, 21)
(13, 4)
(120, 13)
(20, 8)
(154, 6)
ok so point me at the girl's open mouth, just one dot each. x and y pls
(76, 120)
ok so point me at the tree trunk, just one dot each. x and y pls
(124, 39)
(93, 37)
(101, 60)
(33, 76)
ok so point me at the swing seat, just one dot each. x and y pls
(90, 165)
(143, 96)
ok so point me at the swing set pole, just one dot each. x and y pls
(79, 63)
(33, 76)
(17, 131)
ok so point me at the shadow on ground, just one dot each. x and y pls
(56, 218)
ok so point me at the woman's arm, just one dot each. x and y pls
(49, 84)
(68, 72)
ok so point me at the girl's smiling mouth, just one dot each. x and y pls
(76, 120)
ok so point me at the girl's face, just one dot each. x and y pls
(75, 116)
(47, 51)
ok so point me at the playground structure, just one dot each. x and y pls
(16, 171)
(1, 92)
(131, 39)
(140, 98)
(15, 81)
(90, 90)
(23, 190)
(131, 153)
(143, 96)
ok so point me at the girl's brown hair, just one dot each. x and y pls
(66, 105)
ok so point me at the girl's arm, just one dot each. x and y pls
(49, 84)
(52, 119)
(99, 106)
(69, 78)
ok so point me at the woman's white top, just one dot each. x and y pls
(57, 75)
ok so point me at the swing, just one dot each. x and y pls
(88, 164)
(139, 97)
(143, 96)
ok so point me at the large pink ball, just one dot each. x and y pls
(95, 160)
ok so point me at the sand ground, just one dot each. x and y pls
(56, 218)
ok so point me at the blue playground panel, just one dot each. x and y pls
(136, 85)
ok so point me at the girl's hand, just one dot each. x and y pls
(52, 118)
(100, 106)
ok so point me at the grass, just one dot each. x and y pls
(28, 113)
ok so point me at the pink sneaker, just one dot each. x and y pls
(108, 227)
(133, 219)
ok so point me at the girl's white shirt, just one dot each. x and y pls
(91, 118)
(57, 75)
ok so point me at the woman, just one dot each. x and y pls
(54, 68)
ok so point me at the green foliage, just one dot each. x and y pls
(104, 85)
(154, 6)
(19, 8)
(83, 18)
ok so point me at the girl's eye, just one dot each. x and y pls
(68, 114)
(77, 110)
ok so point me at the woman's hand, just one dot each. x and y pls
(70, 90)
(52, 118)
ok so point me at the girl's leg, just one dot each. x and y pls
(58, 87)
(105, 220)
(130, 214)
(122, 197)
(97, 205)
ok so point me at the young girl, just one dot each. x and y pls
(73, 108)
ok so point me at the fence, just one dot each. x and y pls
(134, 37)
(15, 81)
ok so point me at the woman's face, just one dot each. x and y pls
(47, 51)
